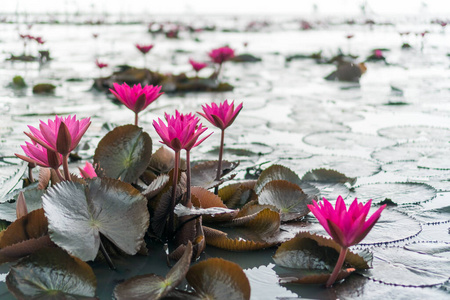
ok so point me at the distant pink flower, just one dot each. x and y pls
(39, 40)
(95, 35)
(49, 136)
(100, 65)
(378, 53)
(197, 66)
(88, 171)
(181, 131)
(136, 98)
(144, 48)
(350, 36)
(346, 227)
(40, 156)
(221, 55)
(222, 115)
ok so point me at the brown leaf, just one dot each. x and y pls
(219, 239)
(44, 178)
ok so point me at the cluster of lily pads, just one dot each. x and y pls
(131, 198)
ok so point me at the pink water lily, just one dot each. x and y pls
(346, 227)
(222, 115)
(220, 55)
(51, 136)
(197, 66)
(136, 98)
(61, 136)
(181, 131)
(100, 65)
(144, 48)
(40, 156)
(88, 171)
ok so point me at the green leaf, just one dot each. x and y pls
(77, 214)
(51, 274)
(152, 286)
(328, 176)
(216, 278)
(123, 153)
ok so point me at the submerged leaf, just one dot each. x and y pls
(77, 214)
(152, 286)
(51, 274)
(287, 197)
(216, 278)
(123, 153)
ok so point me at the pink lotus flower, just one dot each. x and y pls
(350, 36)
(88, 171)
(136, 98)
(222, 115)
(346, 227)
(144, 48)
(100, 65)
(378, 53)
(197, 66)
(40, 156)
(181, 131)
(61, 135)
(221, 55)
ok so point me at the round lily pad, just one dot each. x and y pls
(416, 151)
(308, 126)
(77, 214)
(411, 169)
(410, 133)
(346, 140)
(123, 153)
(52, 274)
(400, 266)
(398, 193)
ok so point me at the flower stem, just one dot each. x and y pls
(66, 167)
(61, 178)
(218, 70)
(188, 179)
(30, 171)
(106, 255)
(136, 119)
(338, 267)
(219, 167)
(174, 192)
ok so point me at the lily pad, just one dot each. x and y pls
(400, 266)
(153, 286)
(289, 198)
(398, 193)
(264, 222)
(32, 199)
(8, 184)
(410, 133)
(328, 176)
(123, 153)
(414, 151)
(163, 160)
(411, 169)
(77, 214)
(314, 252)
(216, 278)
(156, 186)
(221, 240)
(346, 140)
(52, 274)
(204, 174)
(237, 194)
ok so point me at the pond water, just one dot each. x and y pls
(391, 131)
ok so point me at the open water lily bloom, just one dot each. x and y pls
(222, 115)
(197, 66)
(221, 55)
(136, 98)
(47, 134)
(40, 156)
(346, 227)
(181, 131)
(144, 48)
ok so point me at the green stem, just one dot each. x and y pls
(136, 119)
(338, 267)
(219, 166)
(66, 167)
(188, 179)
(174, 192)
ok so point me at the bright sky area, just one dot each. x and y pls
(259, 7)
